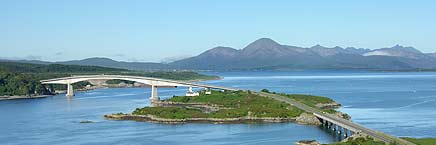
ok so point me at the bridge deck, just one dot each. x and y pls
(108, 77)
(339, 121)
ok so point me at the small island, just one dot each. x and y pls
(230, 107)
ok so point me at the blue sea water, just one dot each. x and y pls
(398, 103)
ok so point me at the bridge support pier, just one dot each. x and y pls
(154, 97)
(345, 132)
(70, 90)
(339, 130)
(326, 123)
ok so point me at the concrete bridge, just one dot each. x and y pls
(339, 125)
(333, 122)
(154, 83)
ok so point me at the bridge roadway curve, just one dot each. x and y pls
(325, 116)
(146, 80)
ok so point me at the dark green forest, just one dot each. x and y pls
(23, 78)
(53, 68)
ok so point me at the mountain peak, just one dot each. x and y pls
(337, 47)
(97, 58)
(222, 48)
(398, 51)
(265, 40)
(220, 51)
(317, 46)
(402, 48)
(262, 43)
(264, 47)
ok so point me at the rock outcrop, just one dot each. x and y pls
(343, 115)
(307, 119)
(154, 119)
(332, 105)
(308, 142)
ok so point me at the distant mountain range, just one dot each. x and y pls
(266, 54)
(103, 62)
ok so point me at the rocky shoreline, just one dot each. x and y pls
(304, 118)
(154, 119)
(308, 142)
(23, 97)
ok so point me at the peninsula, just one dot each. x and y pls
(230, 107)
(221, 107)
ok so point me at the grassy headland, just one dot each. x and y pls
(322, 103)
(371, 141)
(231, 105)
(228, 106)
(421, 141)
(360, 141)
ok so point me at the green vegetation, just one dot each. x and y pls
(312, 101)
(22, 84)
(52, 68)
(232, 105)
(119, 81)
(265, 90)
(171, 112)
(19, 84)
(360, 141)
(23, 78)
(421, 141)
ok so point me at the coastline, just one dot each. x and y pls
(154, 119)
(2, 98)
(303, 119)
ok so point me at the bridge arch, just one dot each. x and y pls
(153, 82)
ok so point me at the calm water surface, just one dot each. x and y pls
(402, 104)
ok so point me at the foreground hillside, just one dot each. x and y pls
(422, 141)
(22, 79)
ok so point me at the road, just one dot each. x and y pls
(338, 120)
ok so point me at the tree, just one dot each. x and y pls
(265, 90)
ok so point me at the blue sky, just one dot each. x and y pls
(159, 30)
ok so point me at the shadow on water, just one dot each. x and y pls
(334, 133)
